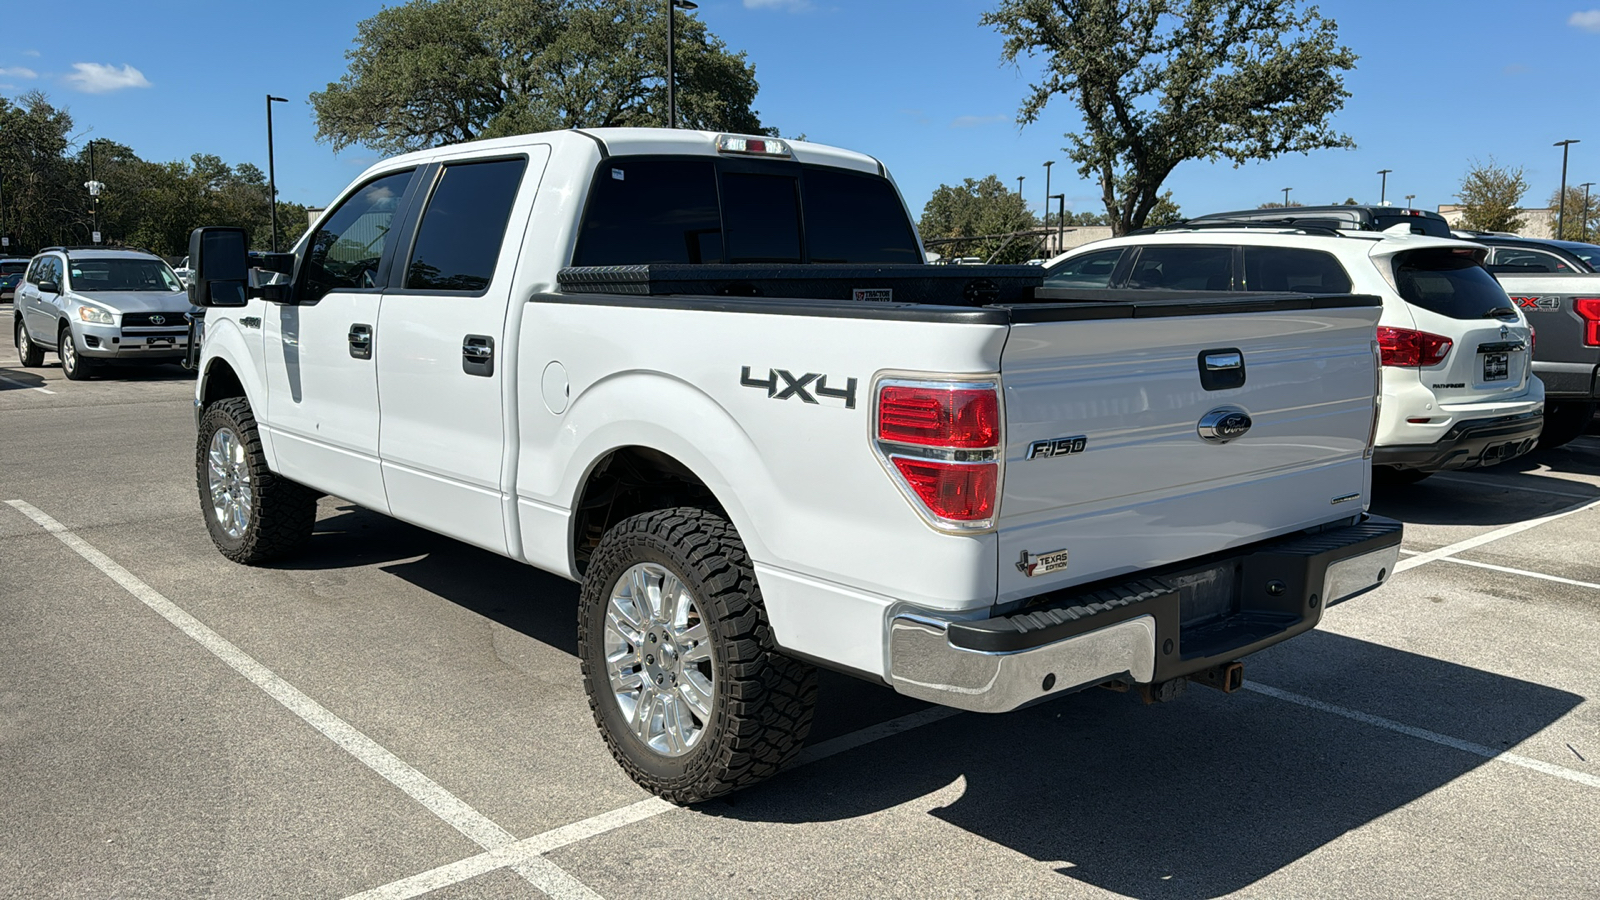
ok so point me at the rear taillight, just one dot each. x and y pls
(1589, 309)
(942, 443)
(1411, 349)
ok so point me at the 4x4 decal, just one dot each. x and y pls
(1541, 303)
(799, 386)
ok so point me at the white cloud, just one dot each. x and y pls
(18, 72)
(97, 78)
(30, 53)
(790, 5)
(975, 121)
(1588, 20)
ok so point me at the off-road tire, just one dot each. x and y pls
(32, 354)
(763, 699)
(283, 512)
(73, 365)
(1563, 422)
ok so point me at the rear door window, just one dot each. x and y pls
(1450, 284)
(1172, 268)
(1091, 270)
(1294, 269)
(464, 226)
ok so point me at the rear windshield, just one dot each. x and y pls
(679, 210)
(1450, 284)
(13, 268)
(123, 275)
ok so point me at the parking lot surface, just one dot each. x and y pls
(394, 714)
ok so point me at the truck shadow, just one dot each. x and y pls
(1483, 497)
(19, 379)
(1191, 799)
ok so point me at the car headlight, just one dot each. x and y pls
(94, 315)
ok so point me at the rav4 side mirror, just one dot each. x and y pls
(220, 260)
(49, 287)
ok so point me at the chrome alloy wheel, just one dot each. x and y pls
(24, 343)
(68, 351)
(228, 476)
(658, 659)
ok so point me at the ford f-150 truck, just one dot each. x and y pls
(711, 378)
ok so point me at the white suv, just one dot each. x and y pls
(1458, 387)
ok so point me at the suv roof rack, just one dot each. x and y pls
(71, 249)
(1322, 227)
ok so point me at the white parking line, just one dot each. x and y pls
(1489, 537)
(21, 384)
(1508, 570)
(1435, 737)
(477, 827)
(555, 839)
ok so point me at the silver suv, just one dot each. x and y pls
(94, 305)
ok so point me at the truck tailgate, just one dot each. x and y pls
(1104, 454)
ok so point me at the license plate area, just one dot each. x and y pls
(160, 340)
(1496, 366)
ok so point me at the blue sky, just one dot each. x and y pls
(916, 83)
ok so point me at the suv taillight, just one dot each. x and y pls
(942, 441)
(1589, 309)
(1411, 349)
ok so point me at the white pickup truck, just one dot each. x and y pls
(709, 377)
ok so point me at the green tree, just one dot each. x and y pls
(1491, 197)
(985, 214)
(1582, 214)
(432, 72)
(1160, 82)
(41, 192)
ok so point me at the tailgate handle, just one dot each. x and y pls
(1221, 369)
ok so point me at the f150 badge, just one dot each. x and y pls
(1034, 564)
(1062, 446)
(802, 386)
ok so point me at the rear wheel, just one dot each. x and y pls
(73, 365)
(684, 679)
(253, 515)
(1563, 422)
(32, 354)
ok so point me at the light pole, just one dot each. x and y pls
(672, 40)
(94, 196)
(1561, 209)
(1409, 198)
(1383, 187)
(1584, 224)
(1286, 197)
(272, 173)
(1047, 191)
(1019, 188)
(1061, 217)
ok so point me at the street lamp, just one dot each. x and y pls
(1584, 225)
(1019, 187)
(95, 188)
(1383, 187)
(272, 174)
(672, 40)
(1286, 197)
(1061, 217)
(1409, 198)
(1047, 190)
(1561, 211)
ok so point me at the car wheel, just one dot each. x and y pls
(684, 679)
(73, 365)
(32, 354)
(253, 515)
(1563, 422)
(1389, 475)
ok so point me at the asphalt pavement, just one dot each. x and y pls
(395, 714)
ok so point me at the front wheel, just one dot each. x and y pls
(32, 354)
(73, 365)
(684, 679)
(253, 515)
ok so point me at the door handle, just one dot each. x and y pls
(360, 341)
(477, 355)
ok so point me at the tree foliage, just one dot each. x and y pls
(1491, 197)
(1160, 82)
(985, 209)
(144, 204)
(432, 72)
(1581, 215)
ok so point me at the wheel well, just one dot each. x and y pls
(220, 383)
(629, 481)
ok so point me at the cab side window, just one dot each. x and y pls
(1163, 267)
(1525, 260)
(348, 246)
(464, 226)
(1091, 270)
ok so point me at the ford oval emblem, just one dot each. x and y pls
(1225, 424)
